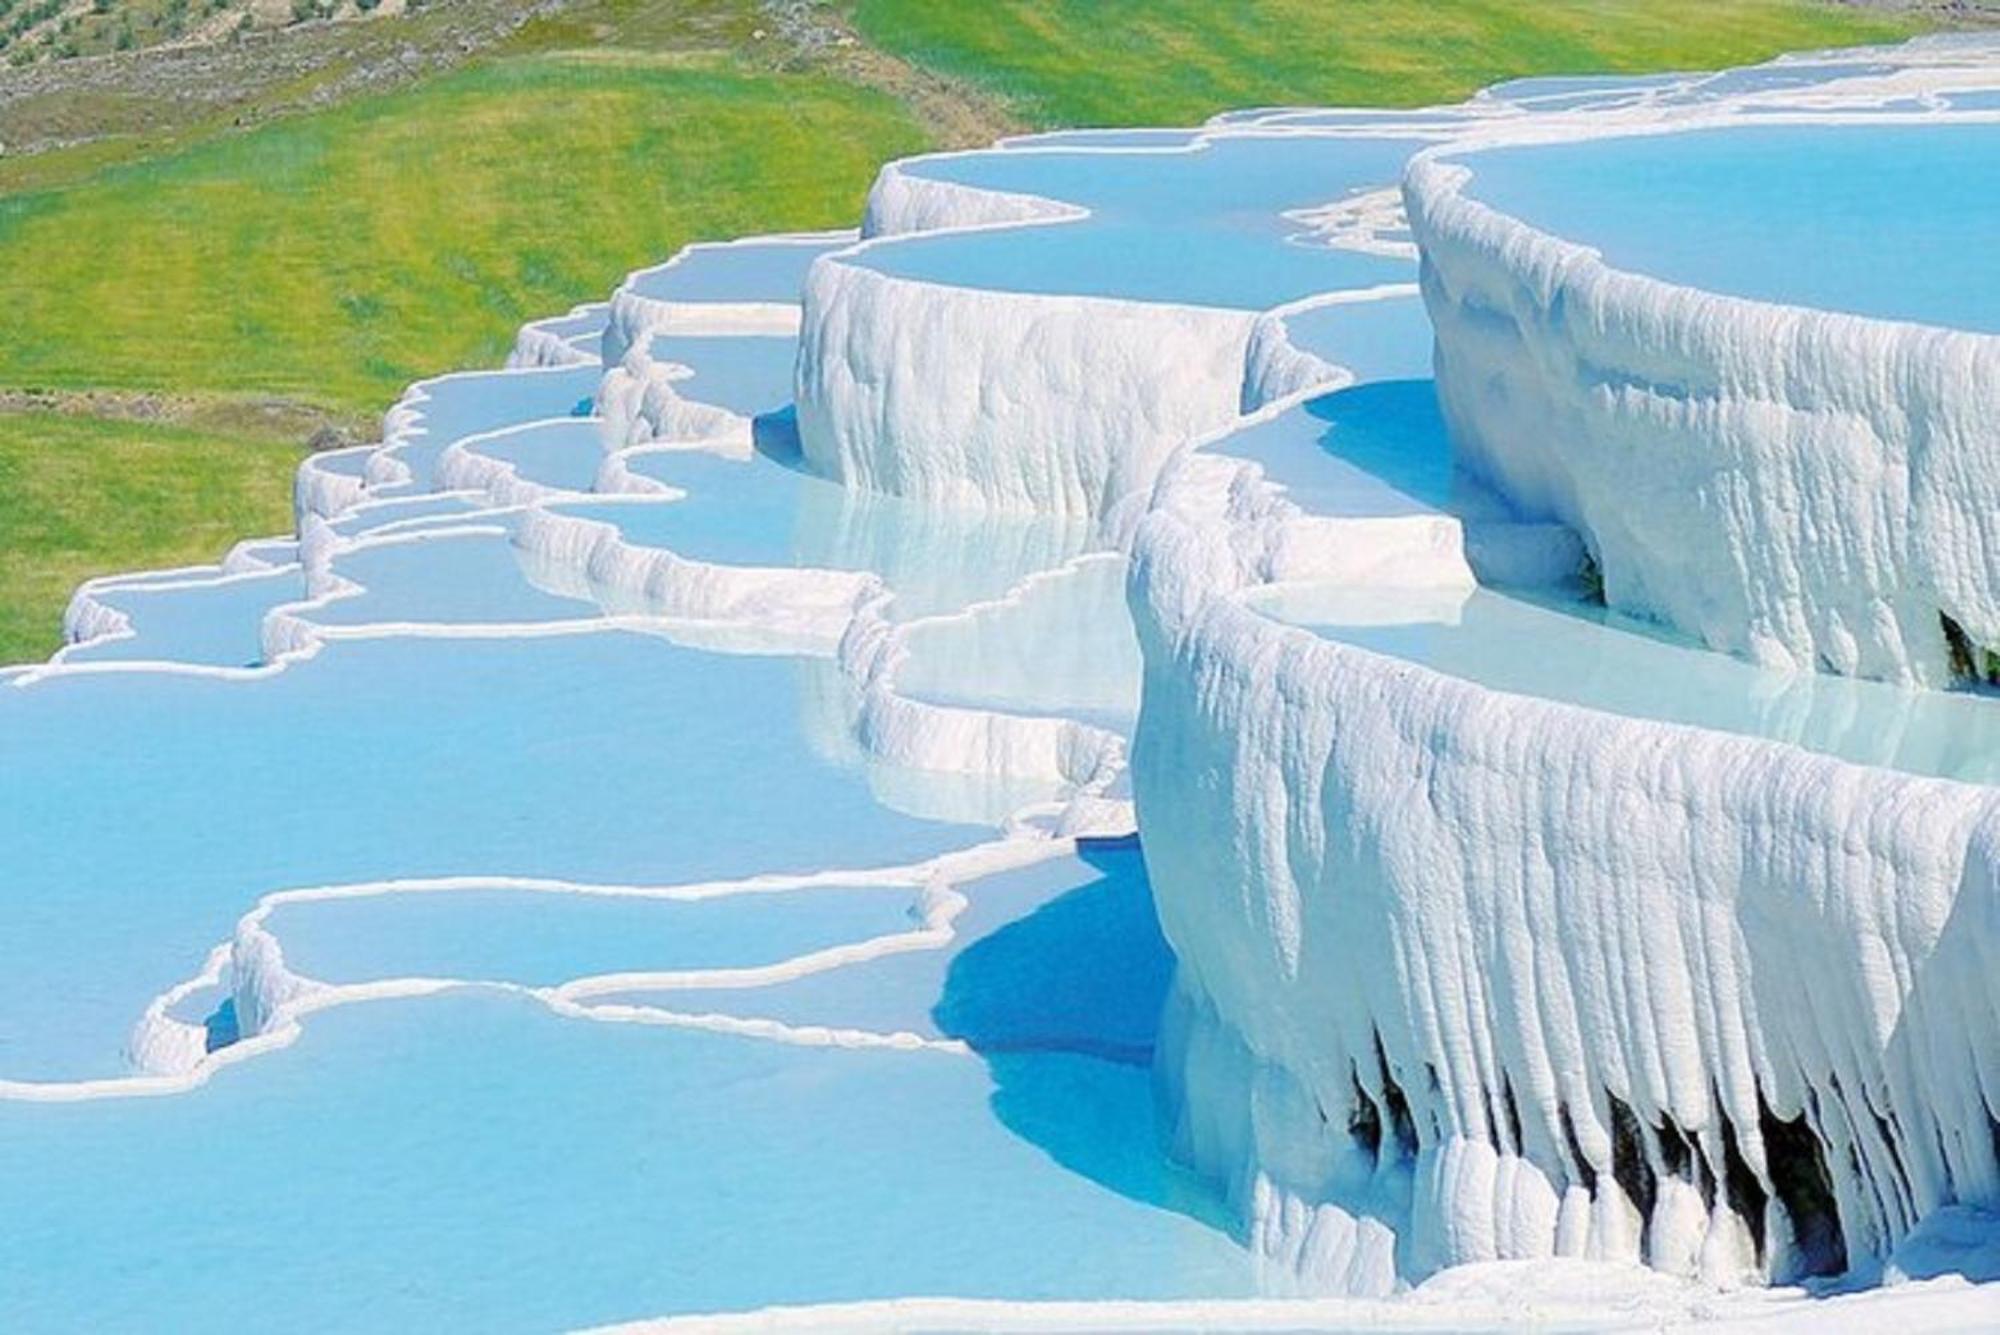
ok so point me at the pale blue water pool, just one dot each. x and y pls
(790, 1096)
(579, 325)
(405, 513)
(564, 454)
(212, 621)
(142, 815)
(748, 374)
(1202, 227)
(1377, 448)
(1061, 645)
(1787, 76)
(449, 577)
(763, 512)
(763, 270)
(1389, 339)
(1893, 221)
(1064, 952)
(541, 938)
(1580, 654)
(456, 406)
(473, 1162)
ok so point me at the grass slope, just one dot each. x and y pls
(80, 496)
(333, 258)
(1176, 62)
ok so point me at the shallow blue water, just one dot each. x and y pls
(540, 938)
(1064, 955)
(271, 551)
(1061, 646)
(1139, 261)
(579, 326)
(756, 271)
(1892, 221)
(1783, 76)
(213, 622)
(762, 512)
(564, 454)
(748, 374)
(471, 1162)
(448, 578)
(457, 406)
(142, 815)
(1244, 179)
(1200, 227)
(1377, 448)
(1376, 340)
(401, 512)
(1583, 655)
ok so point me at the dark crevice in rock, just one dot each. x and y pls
(1513, 1114)
(1585, 1171)
(1799, 1178)
(1630, 1165)
(1741, 1190)
(1970, 662)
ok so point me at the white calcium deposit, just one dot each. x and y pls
(1466, 976)
(1806, 488)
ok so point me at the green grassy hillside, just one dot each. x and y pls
(1175, 62)
(333, 258)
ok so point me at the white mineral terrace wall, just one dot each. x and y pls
(1804, 488)
(1463, 975)
(1467, 976)
(900, 382)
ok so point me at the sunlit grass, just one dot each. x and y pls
(334, 257)
(1138, 62)
(80, 496)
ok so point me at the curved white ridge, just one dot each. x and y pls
(463, 467)
(589, 558)
(634, 318)
(1526, 905)
(639, 403)
(1861, 453)
(88, 618)
(734, 608)
(919, 734)
(902, 200)
(557, 341)
(898, 390)
(1275, 368)
(328, 483)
